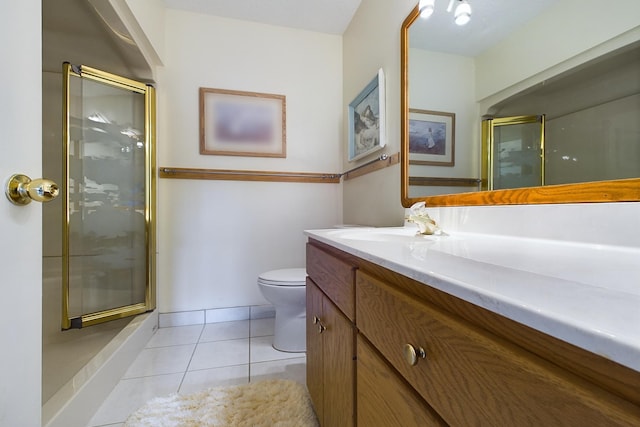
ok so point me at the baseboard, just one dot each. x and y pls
(226, 314)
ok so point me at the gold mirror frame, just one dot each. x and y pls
(623, 190)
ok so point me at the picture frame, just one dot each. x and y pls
(237, 123)
(432, 137)
(366, 113)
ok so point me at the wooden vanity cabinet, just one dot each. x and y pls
(479, 368)
(331, 338)
(471, 377)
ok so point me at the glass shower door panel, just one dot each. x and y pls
(107, 184)
(516, 155)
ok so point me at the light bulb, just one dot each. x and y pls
(462, 14)
(426, 8)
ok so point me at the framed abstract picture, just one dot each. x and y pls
(367, 119)
(431, 137)
(235, 123)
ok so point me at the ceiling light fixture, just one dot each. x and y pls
(461, 16)
(426, 8)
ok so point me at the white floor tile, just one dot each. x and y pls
(162, 360)
(193, 358)
(262, 350)
(199, 380)
(290, 369)
(129, 395)
(178, 335)
(220, 353)
(262, 327)
(225, 331)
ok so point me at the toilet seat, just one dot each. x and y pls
(284, 277)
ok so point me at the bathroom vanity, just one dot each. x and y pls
(469, 329)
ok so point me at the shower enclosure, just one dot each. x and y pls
(108, 246)
(98, 237)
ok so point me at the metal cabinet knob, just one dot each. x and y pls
(321, 327)
(412, 354)
(21, 190)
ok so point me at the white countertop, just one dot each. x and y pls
(585, 294)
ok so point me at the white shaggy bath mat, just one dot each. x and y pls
(271, 403)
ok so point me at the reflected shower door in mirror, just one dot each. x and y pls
(515, 152)
(591, 106)
(107, 232)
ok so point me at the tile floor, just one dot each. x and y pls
(185, 359)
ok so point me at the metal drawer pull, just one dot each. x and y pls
(413, 354)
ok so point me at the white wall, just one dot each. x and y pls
(215, 237)
(20, 144)
(372, 41)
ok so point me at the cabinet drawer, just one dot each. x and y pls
(384, 399)
(336, 278)
(471, 377)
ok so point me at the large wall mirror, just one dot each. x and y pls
(576, 132)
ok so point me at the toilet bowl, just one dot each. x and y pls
(286, 290)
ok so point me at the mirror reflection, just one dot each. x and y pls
(513, 147)
(591, 129)
(582, 123)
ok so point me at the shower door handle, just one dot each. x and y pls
(21, 190)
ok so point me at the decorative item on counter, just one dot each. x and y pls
(419, 216)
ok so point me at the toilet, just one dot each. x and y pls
(286, 290)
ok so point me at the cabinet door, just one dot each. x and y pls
(474, 378)
(386, 400)
(339, 368)
(330, 360)
(314, 348)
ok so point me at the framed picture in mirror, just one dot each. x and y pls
(235, 123)
(431, 137)
(367, 119)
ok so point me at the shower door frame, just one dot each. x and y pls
(71, 71)
(489, 160)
